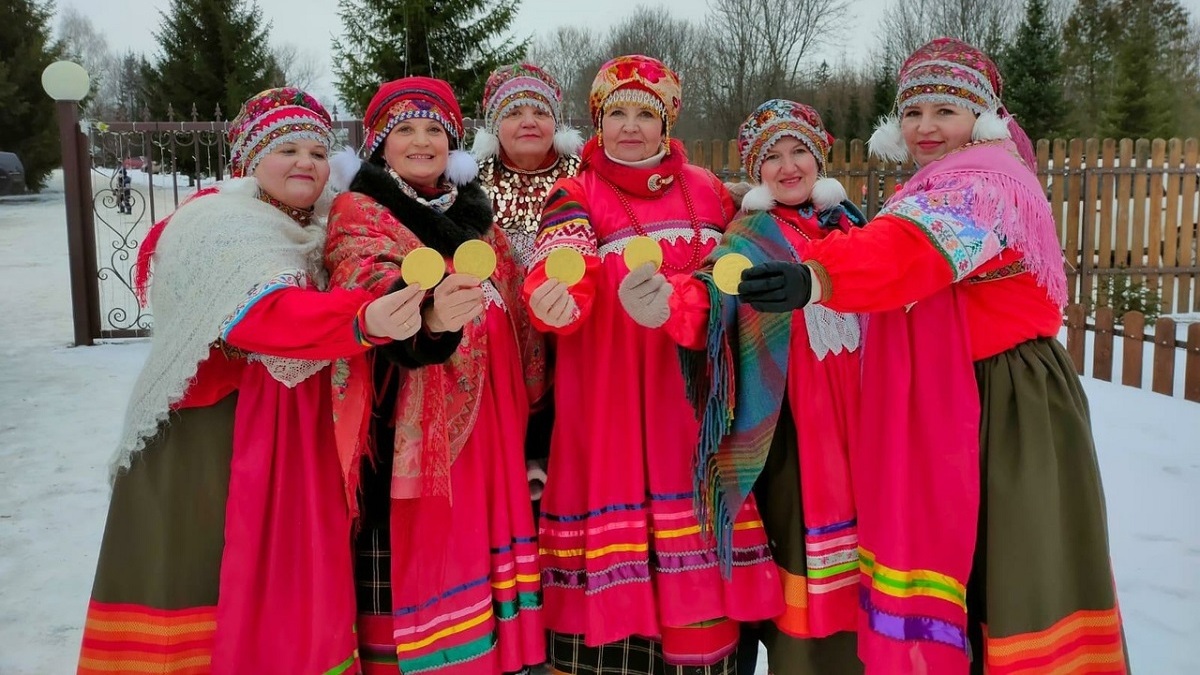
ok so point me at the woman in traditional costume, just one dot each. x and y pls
(982, 530)
(631, 582)
(523, 149)
(225, 548)
(777, 393)
(433, 438)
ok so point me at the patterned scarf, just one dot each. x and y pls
(738, 424)
(440, 203)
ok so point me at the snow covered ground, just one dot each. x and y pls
(60, 412)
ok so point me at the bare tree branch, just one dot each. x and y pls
(572, 55)
(87, 46)
(301, 68)
(756, 50)
(908, 24)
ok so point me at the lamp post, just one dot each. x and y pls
(67, 83)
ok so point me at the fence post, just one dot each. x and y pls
(1164, 357)
(1102, 363)
(1088, 236)
(67, 83)
(1076, 335)
(87, 216)
(1191, 378)
(1133, 349)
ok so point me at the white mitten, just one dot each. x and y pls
(535, 472)
(644, 296)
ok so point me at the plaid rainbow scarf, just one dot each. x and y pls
(736, 426)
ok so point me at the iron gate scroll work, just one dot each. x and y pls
(141, 172)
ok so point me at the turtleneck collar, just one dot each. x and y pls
(643, 182)
(648, 163)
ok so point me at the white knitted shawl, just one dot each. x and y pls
(217, 254)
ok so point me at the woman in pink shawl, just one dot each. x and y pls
(982, 529)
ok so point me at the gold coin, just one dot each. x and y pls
(423, 267)
(642, 250)
(565, 265)
(475, 257)
(727, 272)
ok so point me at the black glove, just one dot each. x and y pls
(831, 218)
(776, 286)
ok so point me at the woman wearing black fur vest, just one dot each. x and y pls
(431, 432)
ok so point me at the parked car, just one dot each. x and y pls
(12, 174)
(140, 164)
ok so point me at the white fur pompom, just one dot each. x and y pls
(827, 193)
(461, 167)
(485, 146)
(758, 199)
(887, 142)
(568, 141)
(990, 127)
(343, 167)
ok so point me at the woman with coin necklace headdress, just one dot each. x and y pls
(778, 393)
(432, 434)
(631, 582)
(523, 148)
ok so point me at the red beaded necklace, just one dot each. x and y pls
(694, 259)
(792, 225)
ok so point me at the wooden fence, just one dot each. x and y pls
(1124, 208)
(1146, 355)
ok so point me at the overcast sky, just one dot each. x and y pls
(312, 24)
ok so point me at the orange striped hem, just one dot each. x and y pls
(794, 620)
(1088, 641)
(125, 638)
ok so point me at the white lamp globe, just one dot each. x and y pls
(66, 81)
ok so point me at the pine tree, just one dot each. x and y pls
(131, 88)
(455, 40)
(213, 52)
(27, 120)
(1153, 77)
(853, 127)
(1033, 74)
(883, 100)
(1089, 36)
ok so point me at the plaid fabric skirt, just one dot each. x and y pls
(631, 656)
(373, 585)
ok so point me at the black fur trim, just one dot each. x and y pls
(470, 217)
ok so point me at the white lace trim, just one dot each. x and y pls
(289, 372)
(671, 235)
(491, 296)
(830, 331)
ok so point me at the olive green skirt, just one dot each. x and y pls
(1041, 594)
(165, 532)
